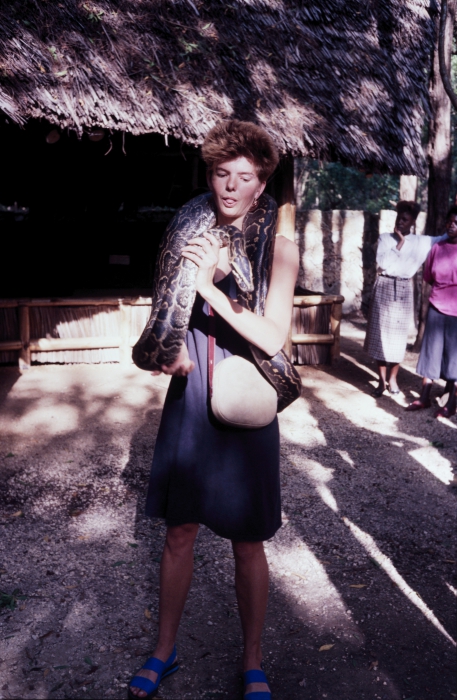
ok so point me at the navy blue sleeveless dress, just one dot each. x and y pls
(205, 472)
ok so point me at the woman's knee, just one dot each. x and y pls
(181, 537)
(246, 551)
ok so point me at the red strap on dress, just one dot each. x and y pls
(211, 347)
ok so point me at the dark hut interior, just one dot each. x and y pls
(89, 213)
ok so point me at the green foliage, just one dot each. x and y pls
(93, 14)
(10, 600)
(333, 186)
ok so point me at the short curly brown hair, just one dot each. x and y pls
(233, 138)
(411, 208)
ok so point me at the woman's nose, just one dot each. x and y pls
(231, 183)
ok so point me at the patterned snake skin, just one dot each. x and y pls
(173, 294)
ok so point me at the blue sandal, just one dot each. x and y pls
(256, 677)
(162, 668)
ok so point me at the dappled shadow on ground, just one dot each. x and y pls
(367, 489)
(10, 375)
(363, 561)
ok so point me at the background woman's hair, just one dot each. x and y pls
(232, 139)
(411, 208)
(452, 212)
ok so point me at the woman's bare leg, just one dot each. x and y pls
(393, 386)
(382, 371)
(176, 570)
(251, 582)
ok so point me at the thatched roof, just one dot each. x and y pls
(330, 79)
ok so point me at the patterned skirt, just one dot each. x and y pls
(389, 319)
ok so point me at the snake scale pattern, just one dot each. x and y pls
(173, 294)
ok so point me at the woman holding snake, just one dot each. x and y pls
(202, 471)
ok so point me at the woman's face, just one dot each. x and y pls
(451, 228)
(404, 222)
(235, 185)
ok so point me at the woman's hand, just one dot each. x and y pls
(204, 252)
(400, 237)
(181, 367)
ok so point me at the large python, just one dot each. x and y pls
(173, 295)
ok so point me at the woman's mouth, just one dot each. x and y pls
(229, 202)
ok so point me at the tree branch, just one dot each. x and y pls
(445, 74)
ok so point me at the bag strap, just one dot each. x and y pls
(211, 347)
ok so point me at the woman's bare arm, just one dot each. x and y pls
(268, 332)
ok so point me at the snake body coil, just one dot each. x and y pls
(173, 295)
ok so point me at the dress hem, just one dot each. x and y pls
(169, 523)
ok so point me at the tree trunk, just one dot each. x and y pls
(439, 152)
(446, 6)
(286, 198)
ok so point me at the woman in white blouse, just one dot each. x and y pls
(399, 257)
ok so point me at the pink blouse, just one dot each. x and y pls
(441, 272)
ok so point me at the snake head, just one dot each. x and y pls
(232, 237)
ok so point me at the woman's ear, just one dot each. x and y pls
(260, 189)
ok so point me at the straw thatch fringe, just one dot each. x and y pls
(76, 322)
(80, 322)
(333, 79)
(72, 322)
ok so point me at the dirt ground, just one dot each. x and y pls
(363, 588)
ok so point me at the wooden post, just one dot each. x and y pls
(335, 327)
(288, 344)
(24, 335)
(408, 187)
(125, 351)
(286, 199)
(286, 218)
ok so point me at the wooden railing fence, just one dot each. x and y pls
(125, 341)
(335, 301)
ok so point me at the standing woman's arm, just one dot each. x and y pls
(267, 332)
(280, 298)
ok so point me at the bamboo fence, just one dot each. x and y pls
(105, 329)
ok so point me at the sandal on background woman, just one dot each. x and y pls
(418, 405)
(445, 412)
(379, 391)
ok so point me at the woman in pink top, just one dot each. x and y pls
(438, 355)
